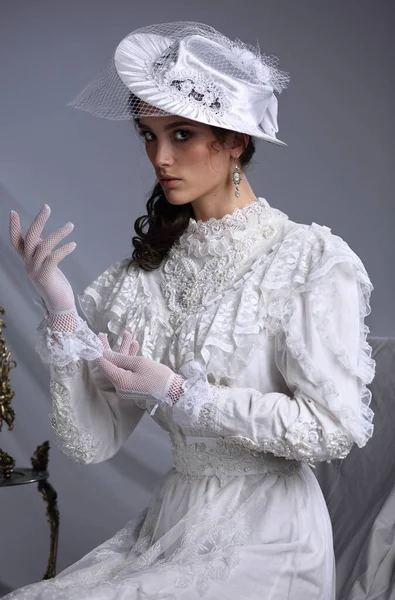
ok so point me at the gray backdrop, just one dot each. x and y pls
(337, 118)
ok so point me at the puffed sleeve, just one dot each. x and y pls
(321, 351)
(90, 421)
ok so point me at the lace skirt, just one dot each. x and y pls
(254, 534)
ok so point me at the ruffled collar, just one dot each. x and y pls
(213, 237)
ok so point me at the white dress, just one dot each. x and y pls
(264, 317)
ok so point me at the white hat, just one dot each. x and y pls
(191, 70)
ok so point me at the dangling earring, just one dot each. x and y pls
(236, 179)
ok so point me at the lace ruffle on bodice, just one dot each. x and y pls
(215, 237)
(210, 254)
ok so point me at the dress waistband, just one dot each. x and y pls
(197, 457)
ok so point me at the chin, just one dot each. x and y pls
(177, 199)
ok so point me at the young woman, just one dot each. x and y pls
(240, 331)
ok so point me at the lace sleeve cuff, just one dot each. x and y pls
(62, 348)
(196, 393)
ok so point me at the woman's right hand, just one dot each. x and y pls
(41, 263)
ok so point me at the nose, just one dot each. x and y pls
(163, 154)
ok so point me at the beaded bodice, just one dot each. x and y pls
(208, 255)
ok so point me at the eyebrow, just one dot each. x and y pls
(170, 126)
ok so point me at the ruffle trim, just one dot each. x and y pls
(196, 393)
(215, 236)
(360, 424)
(238, 219)
(60, 349)
(319, 252)
(118, 301)
(220, 246)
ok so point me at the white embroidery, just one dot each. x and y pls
(73, 440)
(215, 236)
(223, 457)
(207, 550)
(303, 441)
(230, 240)
(72, 369)
(210, 549)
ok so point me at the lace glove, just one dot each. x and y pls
(41, 267)
(139, 378)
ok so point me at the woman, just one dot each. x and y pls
(250, 328)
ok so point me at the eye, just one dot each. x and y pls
(188, 134)
(144, 133)
(185, 135)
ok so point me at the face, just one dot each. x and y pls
(189, 151)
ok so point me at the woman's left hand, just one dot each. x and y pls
(138, 377)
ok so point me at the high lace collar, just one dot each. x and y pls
(214, 237)
(238, 219)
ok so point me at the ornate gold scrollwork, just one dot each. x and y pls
(9, 475)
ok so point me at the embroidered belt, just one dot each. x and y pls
(197, 457)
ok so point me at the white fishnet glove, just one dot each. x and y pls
(41, 266)
(137, 377)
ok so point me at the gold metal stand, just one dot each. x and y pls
(11, 475)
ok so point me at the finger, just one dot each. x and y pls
(122, 361)
(16, 233)
(126, 341)
(134, 348)
(103, 337)
(114, 374)
(106, 366)
(45, 247)
(34, 232)
(60, 253)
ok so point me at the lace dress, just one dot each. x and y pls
(264, 318)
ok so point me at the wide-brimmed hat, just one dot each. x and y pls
(191, 70)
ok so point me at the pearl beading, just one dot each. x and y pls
(188, 284)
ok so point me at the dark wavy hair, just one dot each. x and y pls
(167, 222)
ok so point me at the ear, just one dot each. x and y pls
(239, 142)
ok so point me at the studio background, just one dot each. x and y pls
(336, 117)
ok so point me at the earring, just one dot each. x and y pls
(236, 179)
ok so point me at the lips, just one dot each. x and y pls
(170, 179)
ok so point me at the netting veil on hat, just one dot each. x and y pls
(191, 70)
